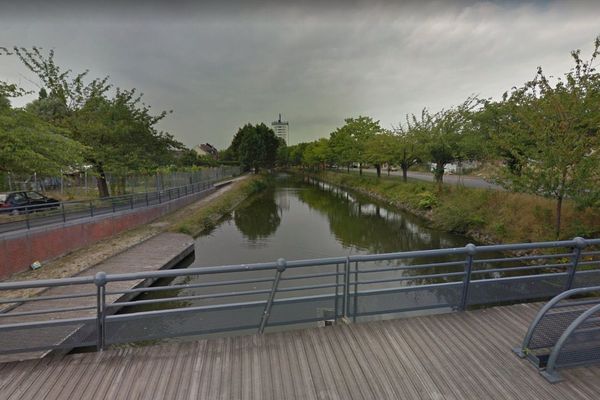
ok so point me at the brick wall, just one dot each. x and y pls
(19, 249)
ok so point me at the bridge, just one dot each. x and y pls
(462, 351)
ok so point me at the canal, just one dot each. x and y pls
(294, 218)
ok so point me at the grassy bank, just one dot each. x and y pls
(206, 217)
(488, 216)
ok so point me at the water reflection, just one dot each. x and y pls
(259, 217)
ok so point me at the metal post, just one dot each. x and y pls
(131, 201)
(100, 281)
(27, 217)
(471, 250)
(147, 202)
(346, 297)
(337, 283)
(580, 244)
(62, 207)
(281, 265)
(355, 308)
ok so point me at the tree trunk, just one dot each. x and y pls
(389, 169)
(404, 173)
(360, 168)
(256, 170)
(348, 168)
(101, 182)
(559, 201)
(439, 175)
(378, 168)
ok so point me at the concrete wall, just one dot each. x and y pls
(19, 249)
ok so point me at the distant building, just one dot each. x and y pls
(207, 150)
(281, 129)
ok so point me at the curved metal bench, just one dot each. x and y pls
(565, 332)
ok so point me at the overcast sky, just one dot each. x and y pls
(219, 67)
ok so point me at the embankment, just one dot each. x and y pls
(488, 216)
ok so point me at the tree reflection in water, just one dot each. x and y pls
(258, 217)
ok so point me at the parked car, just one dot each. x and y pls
(21, 202)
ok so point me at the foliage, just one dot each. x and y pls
(348, 143)
(28, 145)
(116, 127)
(255, 147)
(317, 153)
(381, 149)
(551, 133)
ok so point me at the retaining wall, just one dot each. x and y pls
(18, 250)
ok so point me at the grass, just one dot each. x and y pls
(206, 217)
(490, 216)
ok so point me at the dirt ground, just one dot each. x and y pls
(84, 258)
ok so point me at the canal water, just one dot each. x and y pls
(299, 218)
(295, 218)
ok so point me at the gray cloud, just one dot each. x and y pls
(219, 67)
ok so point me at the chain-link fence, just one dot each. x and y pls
(84, 184)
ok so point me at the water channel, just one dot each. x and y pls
(295, 218)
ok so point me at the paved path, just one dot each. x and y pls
(467, 180)
(451, 356)
(160, 252)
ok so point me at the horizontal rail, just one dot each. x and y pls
(425, 279)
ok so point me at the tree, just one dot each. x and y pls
(554, 128)
(381, 149)
(349, 141)
(116, 127)
(317, 153)
(255, 147)
(444, 135)
(408, 151)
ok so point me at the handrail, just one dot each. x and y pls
(455, 288)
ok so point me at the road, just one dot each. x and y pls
(466, 180)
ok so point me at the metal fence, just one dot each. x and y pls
(84, 183)
(27, 217)
(101, 310)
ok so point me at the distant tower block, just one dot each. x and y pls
(281, 129)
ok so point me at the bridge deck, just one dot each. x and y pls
(450, 356)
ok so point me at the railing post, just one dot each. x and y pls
(100, 281)
(281, 265)
(27, 217)
(131, 202)
(580, 244)
(355, 307)
(337, 284)
(346, 294)
(62, 208)
(147, 202)
(91, 209)
(471, 250)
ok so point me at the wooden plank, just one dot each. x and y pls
(451, 356)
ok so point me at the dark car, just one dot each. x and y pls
(22, 202)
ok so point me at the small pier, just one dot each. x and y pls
(163, 251)
(448, 356)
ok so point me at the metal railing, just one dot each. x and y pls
(101, 310)
(30, 216)
(565, 332)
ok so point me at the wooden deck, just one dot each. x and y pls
(450, 356)
(160, 252)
